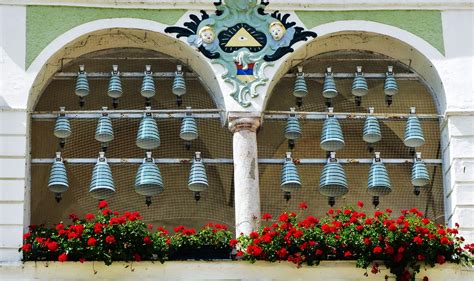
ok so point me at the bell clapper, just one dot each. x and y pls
(299, 102)
(197, 196)
(115, 102)
(328, 102)
(187, 145)
(148, 201)
(388, 100)
(179, 100)
(358, 101)
(291, 144)
(375, 201)
(82, 102)
(287, 196)
(331, 201)
(147, 101)
(417, 190)
(58, 197)
(62, 143)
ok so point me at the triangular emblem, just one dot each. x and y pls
(242, 39)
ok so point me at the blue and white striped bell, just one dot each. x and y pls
(332, 138)
(82, 85)
(333, 181)
(189, 128)
(301, 89)
(148, 136)
(329, 85)
(292, 128)
(148, 84)
(197, 176)
(115, 84)
(390, 86)
(62, 128)
(104, 131)
(179, 84)
(102, 184)
(419, 172)
(413, 131)
(359, 84)
(290, 179)
(371, 132)
(58, 182)
(148, 181)
(378, 181)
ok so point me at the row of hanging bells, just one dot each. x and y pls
(115, 91)
(148, 179)
(148, 136)
(332, 138)
(333, 182)
(360, 87)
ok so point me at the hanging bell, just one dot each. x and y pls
(148, 181)
(329, 86)
(189, 129)
(58, 182)
(301, 89)
(82, 85)
(359, 86)
(197, 177)
(148, 136)
(104, 132)
(332, 138)
(102, 184)
(390, 86)
(378, 182)
(179, 85)
(290, 179)
(148, 85)
(371, 133)
(333, 182)
(62, 128)
(419, 174)
(115, 86)
(292, 129)
(413, 131)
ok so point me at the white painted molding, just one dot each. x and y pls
(274, 4)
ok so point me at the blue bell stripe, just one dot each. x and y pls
(301, 89)
(148, 136)
(102, 185)
(372, 132)
(290, 179)
(378, 181)
(359, 86)
(58, 181)
(419, 174)
(197, 180)
(329, 86)
(62, 128)
(390, 85)
(292, 128)
(148, 86)
(413, 132)
(189, 129)
(115, 86)
(82, 85)
(332, 138)
(333, 182)
(179, 85)
(148, 180)
(104, 131)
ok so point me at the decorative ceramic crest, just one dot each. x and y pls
(244, 39)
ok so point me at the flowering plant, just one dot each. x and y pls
(403, 243)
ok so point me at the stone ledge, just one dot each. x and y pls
(213, 270)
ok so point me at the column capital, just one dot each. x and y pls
(244, 121)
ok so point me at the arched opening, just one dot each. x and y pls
(131, 50)
(344, 51)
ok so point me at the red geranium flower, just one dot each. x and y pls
(253, 235)
(282, 253)
(283, 217)
(52, 246)
(444, 241)
(266, 216)
(360, 204)
(440, 259)
(90, 217)
(82, 260)
(303, 206)
(347, 254)
(377, 250)
(103, 204)
(110, 239)
(137, 257)
(233, 242)
(147, 240)
(418, 240)
(26, 248)
(62, 257)
(91, 241)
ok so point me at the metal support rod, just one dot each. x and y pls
(134, 75)
(303, 161)
(114, 115)
(283, 115)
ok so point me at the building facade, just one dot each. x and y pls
(241, 112)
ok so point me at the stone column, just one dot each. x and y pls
(247, 193)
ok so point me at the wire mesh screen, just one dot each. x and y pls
(176, 205)
(412, 93)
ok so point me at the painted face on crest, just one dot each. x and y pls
(207, 34)
(277, 30)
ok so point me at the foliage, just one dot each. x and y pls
(403, 243)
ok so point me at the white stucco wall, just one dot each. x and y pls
(455, 71)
